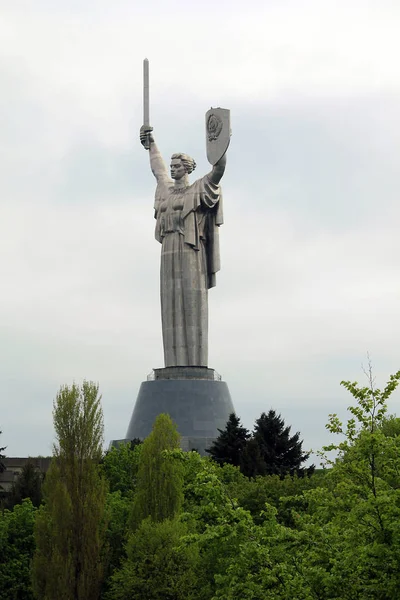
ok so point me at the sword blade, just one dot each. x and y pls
(146, 94)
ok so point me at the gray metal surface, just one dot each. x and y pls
(199, 407)
(218, 133)
(188, 217)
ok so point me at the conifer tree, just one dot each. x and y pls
(281, 453)
(252, 462)
(69, 528)
(159, 490)
(230, 444)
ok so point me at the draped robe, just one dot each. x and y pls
(187, 227)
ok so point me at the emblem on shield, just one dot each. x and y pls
(218, 133)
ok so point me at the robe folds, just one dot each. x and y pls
(187, 222)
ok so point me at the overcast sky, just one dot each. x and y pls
(310, 278)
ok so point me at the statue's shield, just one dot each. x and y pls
(218, 133)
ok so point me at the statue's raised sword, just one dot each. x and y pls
(146, 101)
(218, 126)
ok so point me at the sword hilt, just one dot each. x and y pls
(146, 130)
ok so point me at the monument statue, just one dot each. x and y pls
(187, 220)
(188, 217)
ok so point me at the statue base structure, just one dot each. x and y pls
(195, 398)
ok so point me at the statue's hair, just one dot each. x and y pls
(187, 161)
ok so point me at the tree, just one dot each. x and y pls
(252, 462)
(2, 466)
(120, 467)
(232, 549)
(351, 533)
(231, 442)
(159, 487)
(158, 565)
(269, 450)
(16, 550)
(390, 425)
(118, 513)
(70, 525)
(281, 452)
(135, 442)
(28, 485)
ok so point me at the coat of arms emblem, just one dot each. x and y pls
(218, 133)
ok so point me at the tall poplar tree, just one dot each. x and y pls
(69, 528)
(159, 490)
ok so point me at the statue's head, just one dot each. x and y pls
(181, 165)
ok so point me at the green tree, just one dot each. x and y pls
(159, 486)
(281, 452)
(118, 513)
(252, 461)
(16, 550)
(230, 444)
(69, 531)
(235, 554)
(350, 527)
(284, 494)
(28, 485)
(390, 425)
(120, 467)
(159, 565)
(269, 450)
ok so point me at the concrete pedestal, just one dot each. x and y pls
(194, 397)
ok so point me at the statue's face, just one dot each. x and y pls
(177, 169)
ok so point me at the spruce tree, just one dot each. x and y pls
(252, 462)
(281, 453)
(69, 529)
(231, 442)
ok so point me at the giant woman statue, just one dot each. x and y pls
(187, 220)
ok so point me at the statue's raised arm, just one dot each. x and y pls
(218, 134)
(218, 170)
(157, 164)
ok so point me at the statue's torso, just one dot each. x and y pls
(170, 209)
(170, 213)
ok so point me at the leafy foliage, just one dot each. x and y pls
(120, 467)
(203, 530)
(360, 509)
(390, 425)
(69, 528)
(16, 549)
(158, 566)
(118, 511)
(159, 480)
